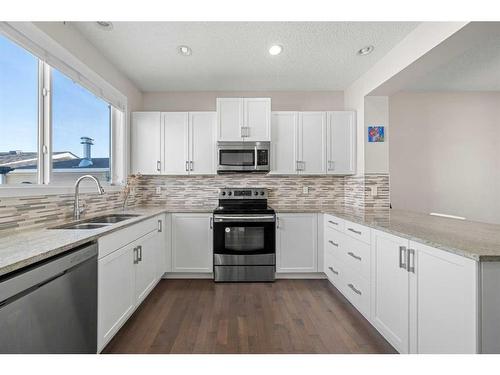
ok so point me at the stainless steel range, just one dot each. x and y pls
(244, 236)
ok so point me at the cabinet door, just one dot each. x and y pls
(116, 293)
(202, 142)
(444, 294)
(191, 243)
(312, 142)
(229, 119)
(257, 119)
(297, 245)
(146, 269)
(390, 289)
(341, 136)
(284, 143)
(175, 143)
(145, 142)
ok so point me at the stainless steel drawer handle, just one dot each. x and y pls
(354, 255)
(411, 261)
(136, 256)
(402, 257)
(335, 272)
(139, 250)
(333, 222)
(357, 291)
(354, 231)
(333, 243)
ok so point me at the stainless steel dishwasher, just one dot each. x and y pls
(51, 307)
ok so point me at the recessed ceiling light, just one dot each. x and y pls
(184, 50)
(105, 25)
(275, 50)
(366, 50)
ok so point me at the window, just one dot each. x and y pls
(18, 114)
(80, 130)
(72, 136)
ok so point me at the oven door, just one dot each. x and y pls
(244, 239)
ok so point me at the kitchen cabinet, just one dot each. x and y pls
(296, 243)
(126, 275)
(444, 301)
(189, 143)
(298, 143)
(145, 143)
(390, 289)
(311, 143)
(284, 143)
(243, 119)
(173, 143)
(192, 243)
(341, 143)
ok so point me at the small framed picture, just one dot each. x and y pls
(376, 134)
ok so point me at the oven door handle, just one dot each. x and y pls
(266, 218)
(256, 153)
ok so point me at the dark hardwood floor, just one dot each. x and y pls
(288, 316)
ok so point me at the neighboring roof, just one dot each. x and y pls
(73, 164)
(18, 159)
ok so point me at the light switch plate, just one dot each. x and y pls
(305, 190)
(373, 191)
(158, 190)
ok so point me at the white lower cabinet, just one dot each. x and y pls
(192, 243)
(390, 289)
(128, 274)
(423, 299)
(296, 243)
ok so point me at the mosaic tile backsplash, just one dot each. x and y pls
(200, 193)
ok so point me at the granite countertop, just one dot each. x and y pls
(478, 241)
(21, 249)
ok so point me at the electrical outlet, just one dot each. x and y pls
(158, 190)
(305, 190)
(373, 191)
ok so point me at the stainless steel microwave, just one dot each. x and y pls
(243, 157)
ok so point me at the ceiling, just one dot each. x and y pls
(476, 67)
(234, 55)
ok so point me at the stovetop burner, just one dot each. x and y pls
(243, 201)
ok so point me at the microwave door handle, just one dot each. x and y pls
(255, 150)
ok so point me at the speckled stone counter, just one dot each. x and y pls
(21, 249)
(478, 241)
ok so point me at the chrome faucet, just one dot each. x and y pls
(77, 211)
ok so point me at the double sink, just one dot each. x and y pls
(96, 222)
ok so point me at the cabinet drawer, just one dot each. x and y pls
(357, 290)
(334, 270)
(356, 255)
(116, 240)
(357, 231)
(333, 222)
(334, 242)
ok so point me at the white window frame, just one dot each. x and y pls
(51, 55)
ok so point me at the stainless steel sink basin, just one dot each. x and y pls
(96, 222)
(110, 219)
(81, 226)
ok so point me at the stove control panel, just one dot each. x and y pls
(243, 193)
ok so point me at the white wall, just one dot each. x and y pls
(415, 45)
(377, 153)
(280, 100)
(444, 153)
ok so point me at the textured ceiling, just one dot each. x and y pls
(234, 55)
(478, 69)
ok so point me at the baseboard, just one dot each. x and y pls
(188, 275)
(301, 275)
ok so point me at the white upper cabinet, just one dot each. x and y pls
(311, 141)
(145, 142)
(284, 143)
(341, 142)
(175, 143)
(243, 119)
(202, 142)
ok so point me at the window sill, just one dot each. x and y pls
(14, 191)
